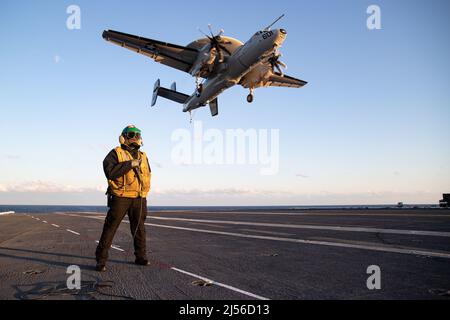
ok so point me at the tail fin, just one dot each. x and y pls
(170, 94)
(155, 92)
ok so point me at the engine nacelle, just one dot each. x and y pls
(205, 63)
(257, 77)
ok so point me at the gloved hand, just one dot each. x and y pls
(135, 163)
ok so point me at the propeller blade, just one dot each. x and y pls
(276, 63)
(210, 30)
(220, 55)
(203, 33)
(282, 64)
(224, 49)
(277, 66)
(215, 42)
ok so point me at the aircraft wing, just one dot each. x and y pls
(172, 55)
(278, 80)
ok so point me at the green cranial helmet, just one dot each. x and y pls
(130, 128)
(131, 136)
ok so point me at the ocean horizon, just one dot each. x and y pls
(102, 209)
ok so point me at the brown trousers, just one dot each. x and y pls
(137, 212)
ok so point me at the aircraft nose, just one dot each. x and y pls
(281, 36)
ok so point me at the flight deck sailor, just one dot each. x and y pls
(128, 172)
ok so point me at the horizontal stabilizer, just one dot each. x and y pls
(170, 94)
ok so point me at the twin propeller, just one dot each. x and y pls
(217, 42)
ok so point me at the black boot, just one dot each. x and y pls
(100, 267)
(141, 261)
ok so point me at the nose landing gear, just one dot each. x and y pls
(250, 96)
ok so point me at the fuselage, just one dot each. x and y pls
(259, 47)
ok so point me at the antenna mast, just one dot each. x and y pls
(270, 25)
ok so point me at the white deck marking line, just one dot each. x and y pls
(220, 284)
(323, 243)
(307, 214)
(117, 248)
(114, 247)
(314, 227)
(55, 225)
(208, 280)
(312, 214)
(406, 215)
(269, 232)
(74, 232)
(314, 242)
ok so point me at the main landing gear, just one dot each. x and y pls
(198, 87)
(250, 96)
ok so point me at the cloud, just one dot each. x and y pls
(214, 192)
(56, 59)
(45, 192)
(46, 187)
(11, 156)
(255, 196)
(301, 175)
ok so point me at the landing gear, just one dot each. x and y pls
(199, 90)
(250, 96)
(199, 87)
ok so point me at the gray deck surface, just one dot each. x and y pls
(247, 255)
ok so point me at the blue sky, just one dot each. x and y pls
(371, 126)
